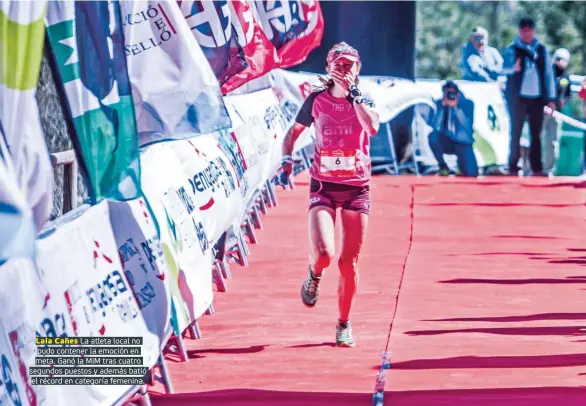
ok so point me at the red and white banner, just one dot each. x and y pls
(259, 53)
(295, 27)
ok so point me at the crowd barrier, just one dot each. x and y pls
(146, 267)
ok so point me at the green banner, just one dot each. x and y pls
(87, 45)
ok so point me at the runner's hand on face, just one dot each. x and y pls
(344, 80)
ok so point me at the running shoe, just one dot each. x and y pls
(344, 335)
(310, 289)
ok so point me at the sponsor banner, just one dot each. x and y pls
(175, 90)
(184, 240)
(79, 290)
(295, 27)
(264, 127)
(491, 119)
(260, 54)
(213, 182)
(24, 314)
(213, 25)
(141, 254)
(14, 390)
(88, 61)
(22, 34)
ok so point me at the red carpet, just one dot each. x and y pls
(489, 311)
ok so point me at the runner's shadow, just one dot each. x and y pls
(514, 319)
(249, 350)
(509, 331)
(544, 396)
(324, 344)
(569, 279)
(473, 362)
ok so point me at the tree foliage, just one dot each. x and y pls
(444, 26)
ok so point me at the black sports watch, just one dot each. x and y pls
(354, 94)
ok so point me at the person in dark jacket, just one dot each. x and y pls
(551, 126)
(453, 131)
(530, 86)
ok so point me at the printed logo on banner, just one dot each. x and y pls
(284, 21)
(11, 389)
(110, 294)
(153, 252)
(228, 144)
(306, 89)
(179, 220)
(153, 15)
(21, 339)
(212, 26)
(493, 120)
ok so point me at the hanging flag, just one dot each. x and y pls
(260, 54)
(88, 55)
(294, 27)
(176, 93)
(211, 24)
(22, 31)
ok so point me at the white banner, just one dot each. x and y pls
(264, 126)
(144, 264)
(185, 243)
(80, 290)
(213, 185)
(176, 93)
(24, 23)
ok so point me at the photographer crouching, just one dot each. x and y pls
(453, 131)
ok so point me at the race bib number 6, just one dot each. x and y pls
(338, 163)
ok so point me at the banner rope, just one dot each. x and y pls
(381, 375)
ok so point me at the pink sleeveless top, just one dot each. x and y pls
(342, 147)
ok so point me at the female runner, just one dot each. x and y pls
(340, 175)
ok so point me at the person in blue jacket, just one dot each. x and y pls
(480, 63)
(453, 130)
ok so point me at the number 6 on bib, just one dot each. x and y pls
(338, 163)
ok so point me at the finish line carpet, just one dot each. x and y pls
(490, 307)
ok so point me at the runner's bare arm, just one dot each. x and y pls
(292, 136)
(368, 118)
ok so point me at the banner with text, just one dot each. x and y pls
(185, 243)
(176, 93)
(144, 264)
(79, 290)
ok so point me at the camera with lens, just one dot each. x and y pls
(451, 94)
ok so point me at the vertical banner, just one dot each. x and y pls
(184, 241)
(21, 50)
(88, 296)
(295, 27)
(143, 261)
(211, 23)
(260, 54)
(17, 239)
(86, 38)
(176, 93)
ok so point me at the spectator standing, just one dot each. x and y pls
(480, 63)
(530, 86)
(453, 131)
(551, 126)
